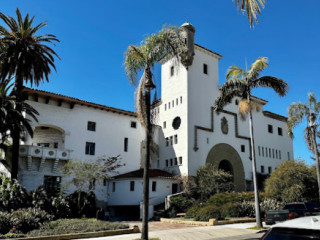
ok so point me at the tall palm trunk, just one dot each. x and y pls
(254, 173)
(145, 216)
(16, 130)
(316, 153)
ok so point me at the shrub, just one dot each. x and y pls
(293, 181)
(51, 202)
(12, 235)
(247, 209)
(208, 212)
(82, 204)
(230, 210)
(211, 181)
(191, 213)
(5, 222)
(25, 220)
(269, 204)
(181, 203)
(220, 199)
(65, 226)
(12, 195)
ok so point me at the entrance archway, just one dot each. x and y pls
(225, 157)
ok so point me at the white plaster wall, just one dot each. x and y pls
(123, 195)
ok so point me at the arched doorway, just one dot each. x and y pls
(225, 157)
(48, 136)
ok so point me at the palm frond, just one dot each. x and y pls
(134, 62)
(278, 85)
(252, 8)
(236, 72)
(256, 68)
(296, 112)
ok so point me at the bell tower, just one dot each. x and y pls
(186, 32)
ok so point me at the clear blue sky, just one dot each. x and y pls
(94, 35)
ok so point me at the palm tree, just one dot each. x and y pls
(240, 83)
(28, 59)
(165, 43)
(310, 112)
(252, 8)
(10, 118)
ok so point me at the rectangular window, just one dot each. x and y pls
(167, 163)
(131, 186)
(172, 71)
(55, 145)
(272, 153)
(171, 162)
(169, 105)
(43, 144)
(154, 186)
(177, 101)
(288, 156)
(172, 103)
(205, 68)
(262, 169)
(279, 154)
(276, 154)
(52, 183)
(113, 186)
(262, 151)
(164, 124)
(259, 150)
(104, 182)
(269, 170)
(243, 148)
(167, 142)
(158, 163)
(171, 140)
(266, 152)
(175, 161)
(175, 139)
(126, 144)
(90, 148)
(91, 126)
(181, 99)
(180, 160)
(133, 124)
(279, 131)
(165, 107)
(270, 128)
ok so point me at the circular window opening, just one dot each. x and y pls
(176, 122)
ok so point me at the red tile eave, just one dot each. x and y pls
(56, 96)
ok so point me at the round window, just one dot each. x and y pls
(176, 122)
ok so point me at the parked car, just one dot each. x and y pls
(304, 228)
(290, 211)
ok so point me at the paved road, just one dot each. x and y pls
(225, 232)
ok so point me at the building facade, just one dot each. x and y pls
(187, 133)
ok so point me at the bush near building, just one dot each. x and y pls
(293, 181)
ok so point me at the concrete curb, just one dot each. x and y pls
(212, 222)
(135, 229)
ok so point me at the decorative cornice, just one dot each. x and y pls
(275, 116)
(211, 129)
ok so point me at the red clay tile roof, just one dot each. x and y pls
(56, 96)
(154, 173)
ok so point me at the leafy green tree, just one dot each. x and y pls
(11, 118)
(252, 8)
(211, 181)
(27, 58)
(165, 43)
(240, 83)
(292, 181)
(310, 112)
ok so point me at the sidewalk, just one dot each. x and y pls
(233, 231)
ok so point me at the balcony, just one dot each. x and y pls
(44, 153)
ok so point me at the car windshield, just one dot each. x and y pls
(292, 234)
(295, 206)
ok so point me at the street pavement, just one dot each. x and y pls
(224, 232)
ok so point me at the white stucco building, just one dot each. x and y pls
(188, 134)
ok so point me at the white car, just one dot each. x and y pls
(304, 228)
